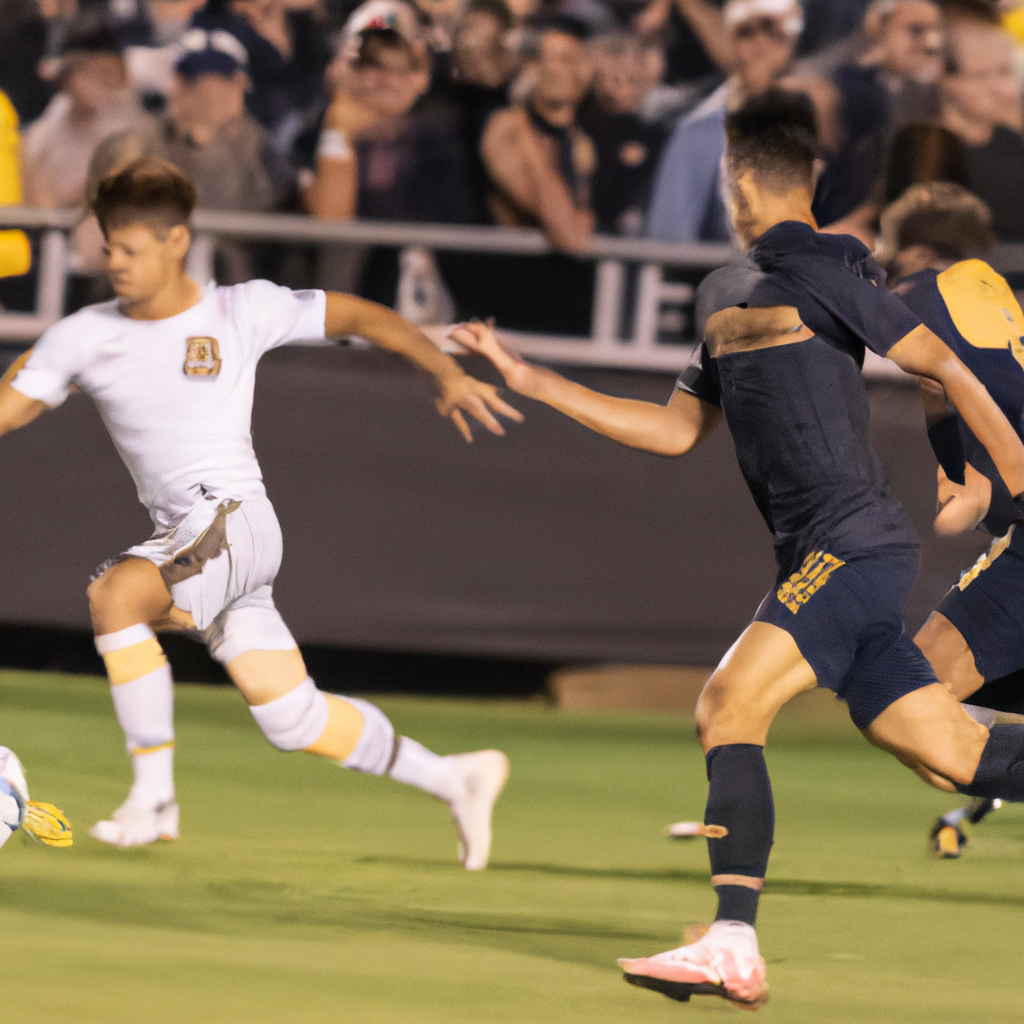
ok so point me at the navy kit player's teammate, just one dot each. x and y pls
(976, 635)
(171, 366)
(784, 334)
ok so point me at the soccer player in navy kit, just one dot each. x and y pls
(784, 333)
(976, 635)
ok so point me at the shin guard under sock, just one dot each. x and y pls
(143, 695)
(1000, 771)
(739, 824)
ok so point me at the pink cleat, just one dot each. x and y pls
(725, 962)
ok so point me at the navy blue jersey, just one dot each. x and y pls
(974, 311)
(798, 412)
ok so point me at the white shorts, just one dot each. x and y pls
(231, 599)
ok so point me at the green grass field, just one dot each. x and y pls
(303, 893)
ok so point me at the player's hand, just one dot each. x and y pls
(961, 507)
(481, 339)
(465, 394)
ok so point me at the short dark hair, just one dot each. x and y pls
(92, 30)
(940, 215)
(147, 190)
(564, 24)
(774, 136)
(497, 9)
(375, 41)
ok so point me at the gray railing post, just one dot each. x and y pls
(199, 262)
(648, 302)
(609, 286)
(51, 285)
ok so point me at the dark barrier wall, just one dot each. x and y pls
(550, 543)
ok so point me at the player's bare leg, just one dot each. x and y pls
(763, 670)
(124, 602)
(949, 656)
(955, 666)
(294, 715)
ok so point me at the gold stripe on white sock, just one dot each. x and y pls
(133, 662)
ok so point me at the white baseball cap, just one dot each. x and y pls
(789, 13)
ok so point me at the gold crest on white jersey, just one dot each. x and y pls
(202, 358)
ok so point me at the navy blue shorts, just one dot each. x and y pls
(987, 606)
(847, 619)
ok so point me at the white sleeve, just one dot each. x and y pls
(52, 365)
(273, 315)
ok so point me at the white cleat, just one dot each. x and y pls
(131, 825)
(484, 773)
(724, 962)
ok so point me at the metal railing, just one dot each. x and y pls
(639, 349)
(636, 347)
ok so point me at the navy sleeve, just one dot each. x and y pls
(700, 378)
(861, 304)
(878, 318)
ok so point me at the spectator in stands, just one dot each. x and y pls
(23, 39)
(539, 166)
(626, 69)
(699, 49)
(686, 204)
(207, 133)
(891, 84)
(15, 254)
(539, 161)
(288, 56)
(94, 101)
(482, 66)
(385, 152)
(382, 153)
(981, 105)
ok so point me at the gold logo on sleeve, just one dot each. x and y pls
(202, 357)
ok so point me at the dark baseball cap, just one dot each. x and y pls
(210, 52)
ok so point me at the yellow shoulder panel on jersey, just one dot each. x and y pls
(12, 370)
(982, 306)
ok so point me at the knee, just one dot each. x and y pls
(296, 720)
(715, 709)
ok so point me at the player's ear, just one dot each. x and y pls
(817, 170)
(179, 238)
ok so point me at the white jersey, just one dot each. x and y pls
(176, 394)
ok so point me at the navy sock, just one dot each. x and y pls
(739, 824)
(1001, 769)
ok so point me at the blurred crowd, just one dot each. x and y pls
(575, 116)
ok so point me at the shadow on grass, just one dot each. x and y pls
(779, 886)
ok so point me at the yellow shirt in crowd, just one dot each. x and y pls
(15, 254)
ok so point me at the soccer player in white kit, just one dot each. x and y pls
(171, 366)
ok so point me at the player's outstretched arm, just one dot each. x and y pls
(964, 494)
(671, 429)
(961, 507)
(458, 393)
(15, 409)
(923, 353)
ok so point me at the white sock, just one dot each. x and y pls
(145, 711)
(416, 766)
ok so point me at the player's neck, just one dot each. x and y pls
(771, 211)
(169, 300)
